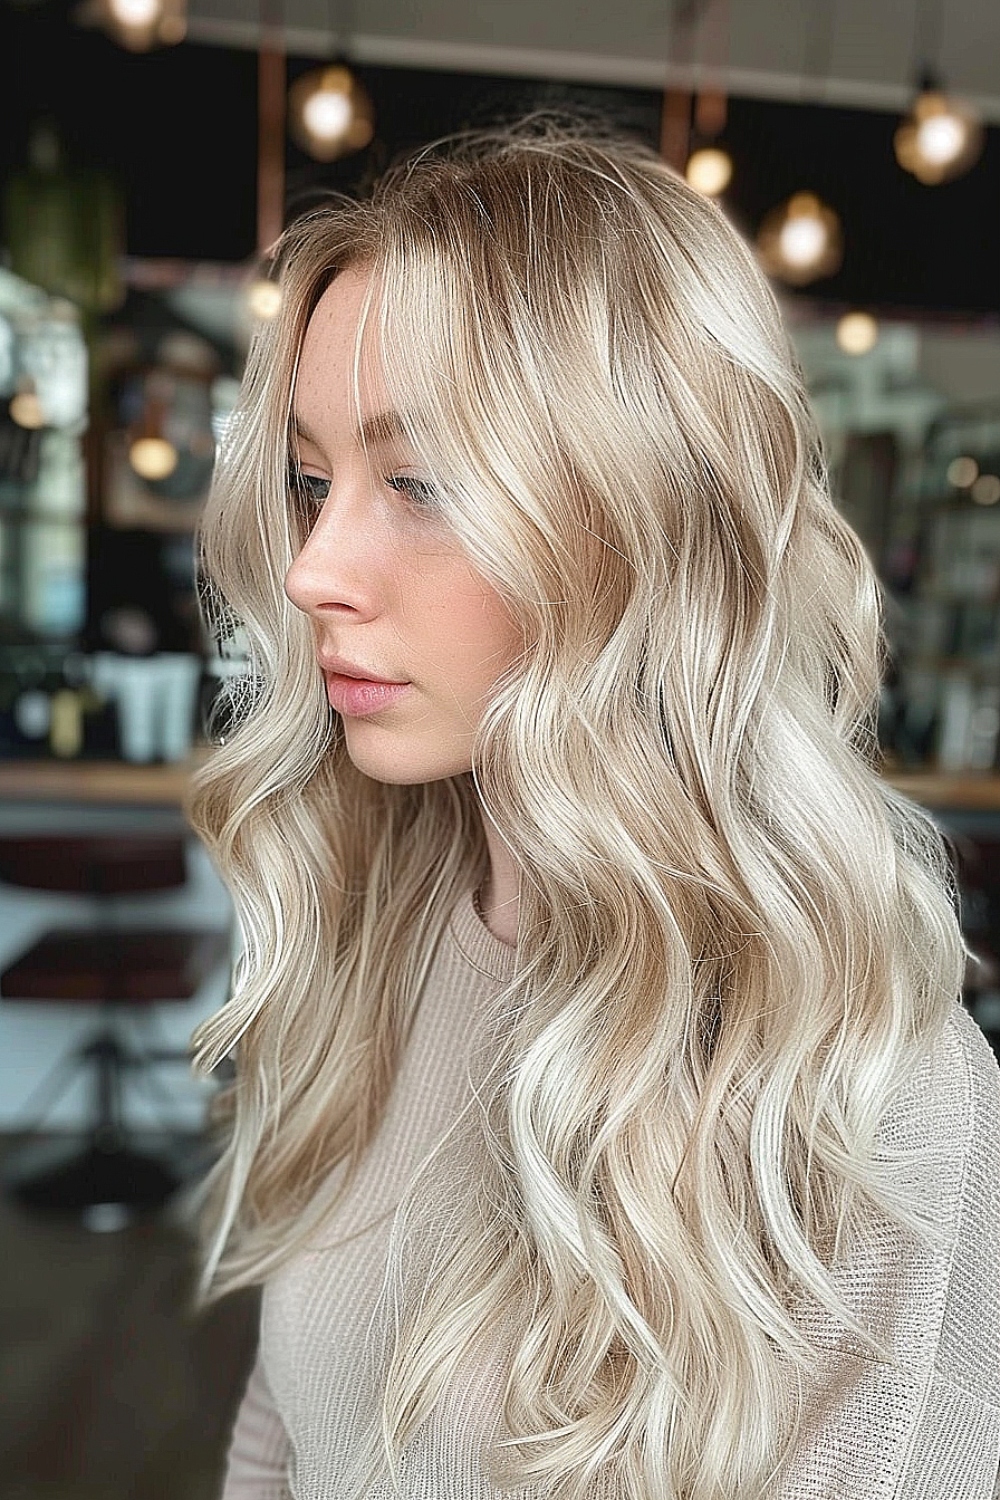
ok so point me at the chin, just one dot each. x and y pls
(396, 765)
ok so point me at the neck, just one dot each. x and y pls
(498, 894)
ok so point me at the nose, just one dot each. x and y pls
(338, 567)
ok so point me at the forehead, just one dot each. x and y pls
(326, 369)
(337, 314)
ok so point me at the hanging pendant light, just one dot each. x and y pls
(939, 139)
(150, 451)
(329, 111)
(261, 295)
(153, 457)
(800, 240)
(709, 168)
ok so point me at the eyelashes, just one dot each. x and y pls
(306, 492)
(418, 490)
(310, 491)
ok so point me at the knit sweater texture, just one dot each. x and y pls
(925, 1427)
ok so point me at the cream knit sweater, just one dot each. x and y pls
(928, 1429)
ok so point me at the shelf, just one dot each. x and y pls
(97, 781)
(166, 785)
(976, 791)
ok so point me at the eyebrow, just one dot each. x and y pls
(382, 427)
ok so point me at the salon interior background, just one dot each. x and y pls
(109, 1389)
(813, 94)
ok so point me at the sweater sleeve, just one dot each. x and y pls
(924, 1425)
(257, 1460)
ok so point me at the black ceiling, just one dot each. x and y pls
(178, 128)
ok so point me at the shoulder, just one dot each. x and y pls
(962, 1062)
(933, 1298)
(949, 1110)
(926, 1419)
(946, 1123)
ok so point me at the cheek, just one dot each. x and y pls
(464, 622)
(477, 634)
(499, 637)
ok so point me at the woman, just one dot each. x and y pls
(606, 1122)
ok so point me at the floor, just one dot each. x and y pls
(110, 1387)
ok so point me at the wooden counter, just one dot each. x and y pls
(164, 785)
(970, 791)
(95, 781)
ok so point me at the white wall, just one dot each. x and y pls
(766, 48)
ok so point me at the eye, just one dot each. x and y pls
(416, 490)
(307, 490)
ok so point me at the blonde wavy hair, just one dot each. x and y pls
(735, 938)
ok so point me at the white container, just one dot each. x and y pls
(984, 729)
(156, 698)
(958, 704)
(178, 679)
(136, 691)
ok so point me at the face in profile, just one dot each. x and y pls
(388, 590)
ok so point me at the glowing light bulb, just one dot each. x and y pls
(329, 113)
(709, 171)
(800, 240)
(137, 13)
(139, 25)
(857, 332)
(153, 457)
(264, 300)
(939, 139)
(963, 472)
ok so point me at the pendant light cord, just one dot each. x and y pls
(271, 84)
(817, 47)
(341, 19)
(927, 27)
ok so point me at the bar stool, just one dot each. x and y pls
(116, 966)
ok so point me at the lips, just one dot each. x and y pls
(360, 697)
(336, 666)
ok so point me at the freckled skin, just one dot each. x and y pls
(382, 580)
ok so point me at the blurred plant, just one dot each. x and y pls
(64, 227)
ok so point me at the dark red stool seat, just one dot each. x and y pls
(140, 966)
(94, 864)
(116, 965)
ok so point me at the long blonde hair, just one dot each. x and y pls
(735, 938)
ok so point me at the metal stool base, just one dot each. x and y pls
(96, 1177)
